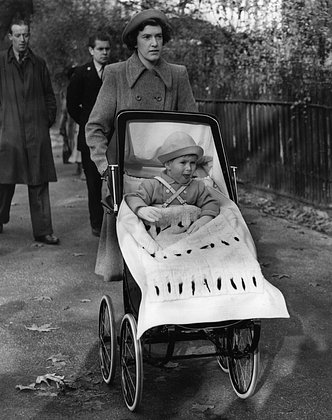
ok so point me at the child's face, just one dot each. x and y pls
(182, 168)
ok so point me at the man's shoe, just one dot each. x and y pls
(95, 231)
(1, 227)
(47, 239)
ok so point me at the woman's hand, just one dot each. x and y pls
(149, 213)
(199, 223)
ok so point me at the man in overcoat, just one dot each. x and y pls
(27, 111)
(81, 96)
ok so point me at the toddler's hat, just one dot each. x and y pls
(178, 144)
(141, 17)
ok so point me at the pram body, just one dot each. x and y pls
(179, 287)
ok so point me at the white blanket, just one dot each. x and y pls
(209, 276)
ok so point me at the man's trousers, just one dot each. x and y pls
(40, 208)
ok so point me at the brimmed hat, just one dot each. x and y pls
(178, 144)
(141, 17)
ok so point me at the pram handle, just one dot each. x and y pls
(234, 168)
(111, 202)
(113, 169)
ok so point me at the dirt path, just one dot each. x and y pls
(55, 287)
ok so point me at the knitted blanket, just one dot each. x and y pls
(208, 276)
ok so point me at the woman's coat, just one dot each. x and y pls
(130, 85)
(27, 110)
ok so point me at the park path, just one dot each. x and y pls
(57, 287)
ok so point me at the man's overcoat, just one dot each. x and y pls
(27, 110)
(130, 85)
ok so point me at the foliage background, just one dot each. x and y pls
(249, 49)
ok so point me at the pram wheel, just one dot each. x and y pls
(131, 361)
(243, 362)
(223, 360)
(107, 339)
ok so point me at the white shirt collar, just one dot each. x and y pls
(97, 66)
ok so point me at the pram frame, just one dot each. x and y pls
(225, 336)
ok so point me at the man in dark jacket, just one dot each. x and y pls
(27, 111)
(81, 96)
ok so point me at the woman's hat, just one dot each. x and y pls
(141, 17)
(178, 144)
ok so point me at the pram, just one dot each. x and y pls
(179, 287)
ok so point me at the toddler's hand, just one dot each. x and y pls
(149, 213)
(199, 223)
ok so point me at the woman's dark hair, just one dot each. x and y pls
(132, 36)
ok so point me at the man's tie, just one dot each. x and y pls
(21, 57)
(101, 71)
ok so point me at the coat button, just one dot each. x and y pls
(138, 98)
(158, 98)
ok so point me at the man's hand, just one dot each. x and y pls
(199, 223)
(149, 213)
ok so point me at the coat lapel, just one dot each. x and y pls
(134, 69)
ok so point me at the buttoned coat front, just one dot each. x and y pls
(27, 110)
(130, 85)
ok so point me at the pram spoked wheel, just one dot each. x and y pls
(243, 362)
(107, 340)
(221, 359)
(131, 362)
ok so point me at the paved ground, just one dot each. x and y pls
(56, 287)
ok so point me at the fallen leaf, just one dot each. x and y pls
(58, 380)
(314, 284)
(171, 365)
(42, 328)
(41, 382)
(280, 276)
(39, 298)
(37, 245)
(30, 387)
(57, 357)
(202, 407)
(66, 307)
(58, 360)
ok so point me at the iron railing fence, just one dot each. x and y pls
(281, 146)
